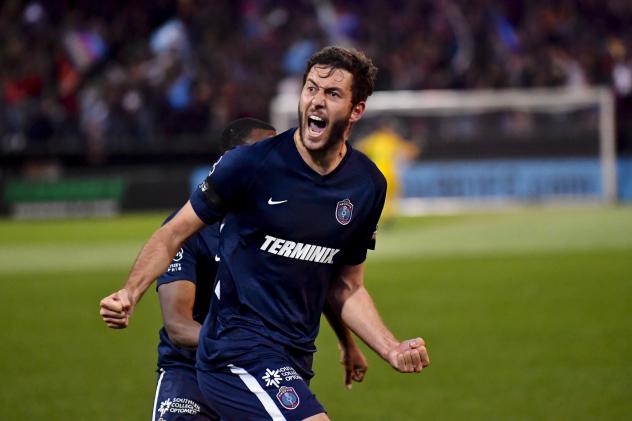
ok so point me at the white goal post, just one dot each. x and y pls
(454, 103)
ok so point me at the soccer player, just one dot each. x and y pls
(388, 150)
(300, 211)
(184, 304)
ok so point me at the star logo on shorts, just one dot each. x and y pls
(164, 407)
(271, 378)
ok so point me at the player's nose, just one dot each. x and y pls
(318, 100)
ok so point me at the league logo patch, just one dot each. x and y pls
(344, 210)
(288, 397)
(175, 266)
(203, 186)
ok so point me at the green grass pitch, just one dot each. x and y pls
(527, 315)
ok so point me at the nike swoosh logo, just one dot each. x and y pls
(217, 258)
(275, 202)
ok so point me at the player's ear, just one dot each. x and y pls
(357, 111)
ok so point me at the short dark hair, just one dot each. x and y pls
(237, 132)
(351, 60)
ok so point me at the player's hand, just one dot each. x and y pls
(116, 309)
(354, 363)
(410, 356)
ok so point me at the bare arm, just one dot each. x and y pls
(152, 262)
(351, 356)
(351, 300)
(176, 303)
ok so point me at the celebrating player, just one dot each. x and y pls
(184, 304)
(300, 211)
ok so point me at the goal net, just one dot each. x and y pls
(493, 147)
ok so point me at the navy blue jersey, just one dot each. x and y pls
(194, 262)
(287, 231)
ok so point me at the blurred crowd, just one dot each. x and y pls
(97, 75)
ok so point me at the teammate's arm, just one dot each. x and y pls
(351, 300)
(152, 262)
(176, 303)
(351, 356)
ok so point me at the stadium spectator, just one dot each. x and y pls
(188, 67)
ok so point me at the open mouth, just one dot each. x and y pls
(316, 124)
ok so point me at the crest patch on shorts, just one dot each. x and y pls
(288, 397)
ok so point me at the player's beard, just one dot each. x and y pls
(337, 129)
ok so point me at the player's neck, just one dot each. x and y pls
(321, 161)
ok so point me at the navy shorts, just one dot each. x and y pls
(178, 397)
(265, 389)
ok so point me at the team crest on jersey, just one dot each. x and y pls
(344, 210)
(288, 397)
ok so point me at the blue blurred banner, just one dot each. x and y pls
(624, 172)
(513, 179)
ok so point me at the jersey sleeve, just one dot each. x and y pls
(183, 265)
(225, 186)
(366, 238)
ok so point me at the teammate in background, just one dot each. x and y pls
(300, 211)
(184, 303)
(388, 150)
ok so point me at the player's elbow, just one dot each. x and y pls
(170, 238)
(185, 335)
(182, 226)
(339, 292)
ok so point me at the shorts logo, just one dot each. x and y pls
(288, 397)
(164, 407)
(271, 378)
(344, 210)
(178, 406)
(179, 255)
